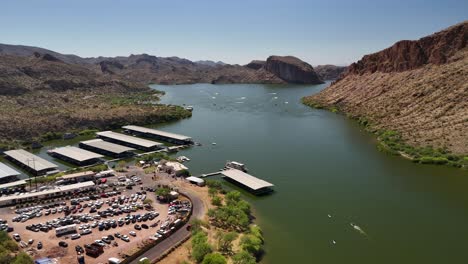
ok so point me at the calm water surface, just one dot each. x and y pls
(323, 164)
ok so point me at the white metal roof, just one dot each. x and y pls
(26, 158)
(157, 132)
(107, 146)
(6, 171)
(63, 188)
(195, 179)
(12, 184)
(177, 166)
(76, 153)
(129, 139)
(246, 179)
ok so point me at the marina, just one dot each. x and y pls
(107, 148)
(251, 183)
(159, 134)
(30, 162)
(75, 155)
(7, 173)
(130, 141)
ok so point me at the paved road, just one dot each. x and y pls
(179, 235)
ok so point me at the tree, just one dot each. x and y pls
(200, 250)
(251, 244)
(23, 258)
(214, 258)
(225, 241)
(243, 257)
(164, 192)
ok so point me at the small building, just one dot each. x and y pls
(78, 177)
(196, 180)
(66, 190)
(7, 174)
(30, 162)
(251, 183)
(107, 148)
(158, 134)
(173, 167)
(76, 155)
(130, 141)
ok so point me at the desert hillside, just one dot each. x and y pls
(418, 89)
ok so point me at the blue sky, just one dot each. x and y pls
(319, 32)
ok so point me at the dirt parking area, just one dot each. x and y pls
(68, 254)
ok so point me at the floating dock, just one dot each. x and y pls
(130, 141)
(158, 134)
(33, 163)
(253, 184)
(107, 148)
(76, 155)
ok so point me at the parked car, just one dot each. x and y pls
(79, 249)
(132, 233)
(63, 244)
(75, 236)
(39, 245)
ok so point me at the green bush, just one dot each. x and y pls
(214, 258)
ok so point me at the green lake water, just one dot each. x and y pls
(321, 164)
(324, 164)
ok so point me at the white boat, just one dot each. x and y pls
(235, 165)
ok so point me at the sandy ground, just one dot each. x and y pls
(68, 255)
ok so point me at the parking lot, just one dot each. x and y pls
(118, 221)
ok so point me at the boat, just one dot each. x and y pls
(235, 165)
(189, 108)
(182, 158)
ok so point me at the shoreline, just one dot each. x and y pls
(391, 142)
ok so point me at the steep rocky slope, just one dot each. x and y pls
(329, 72)
(292, 70)
(417, 88)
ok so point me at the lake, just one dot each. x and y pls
(327, 174)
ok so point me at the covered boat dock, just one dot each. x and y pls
(251, 183)
(130, 141)
(107, 148)
(7, 174)
(158, 134)
(76, 155)
(30, 162)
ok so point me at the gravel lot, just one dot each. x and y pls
(69, 255)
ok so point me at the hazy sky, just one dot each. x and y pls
(319, 32)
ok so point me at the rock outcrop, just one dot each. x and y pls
(292, 70)
(330, 72)
(255, 64)
(417, 88)
(412, 54)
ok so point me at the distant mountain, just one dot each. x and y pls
(418, 88)
(174, 70)
(329, 72)
(210, 63)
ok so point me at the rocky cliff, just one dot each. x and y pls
(417, 88)
(292, 70)
(329, 72)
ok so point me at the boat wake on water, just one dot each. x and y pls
(359, 229)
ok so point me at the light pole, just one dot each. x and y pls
(35, 173)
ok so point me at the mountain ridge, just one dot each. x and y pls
(416, 88)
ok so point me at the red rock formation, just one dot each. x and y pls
(412, 54)
(292, 70)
